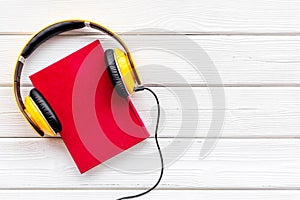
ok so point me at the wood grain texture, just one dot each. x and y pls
(239, 60)
(157, 194)
(206, 16)
(255, 47)
(233, 163)
(250, 112)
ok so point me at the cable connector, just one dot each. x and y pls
(139, 88)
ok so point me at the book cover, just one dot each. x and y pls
(97, 124)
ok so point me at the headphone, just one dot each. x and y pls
(120, 65)
(121, 69)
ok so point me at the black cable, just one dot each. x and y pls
(140, 88)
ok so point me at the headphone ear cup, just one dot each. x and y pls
(125, 70)
(114, 73)
(37, 117)
(45, 110)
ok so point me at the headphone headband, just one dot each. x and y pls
(47, 33)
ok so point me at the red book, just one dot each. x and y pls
(97, 124)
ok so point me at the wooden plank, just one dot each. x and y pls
(249, 113)
(239, 60)
(30, 163)
(207, 16)
(157, 194)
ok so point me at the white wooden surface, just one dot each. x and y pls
(255, 46)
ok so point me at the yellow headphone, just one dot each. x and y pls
(121, 69)
(36, 109)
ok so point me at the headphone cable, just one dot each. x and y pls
(140, 88)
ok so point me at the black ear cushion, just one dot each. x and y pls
(46, 110)
(114, 73)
